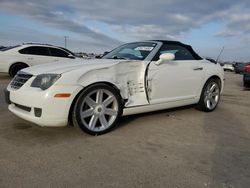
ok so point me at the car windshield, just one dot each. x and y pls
(131, 51)
(9, 48)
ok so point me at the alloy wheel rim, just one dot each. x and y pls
(99, 110)
(212, 95)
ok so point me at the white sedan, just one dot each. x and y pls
(15, 58)
(133, 78)
(228, 67)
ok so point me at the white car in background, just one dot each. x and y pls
(15, 58)
(228, 67)
(134, 78)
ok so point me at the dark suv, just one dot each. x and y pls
(239, 68)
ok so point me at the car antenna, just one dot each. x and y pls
(220, 54)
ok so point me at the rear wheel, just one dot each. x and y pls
(98, 109)
(210, 96)
(16, 67)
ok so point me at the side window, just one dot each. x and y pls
(58, 53)
(35, 50)
(180, 52)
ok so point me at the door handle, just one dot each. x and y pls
(30, 58)
(198, 68)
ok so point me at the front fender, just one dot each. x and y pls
(107, 75)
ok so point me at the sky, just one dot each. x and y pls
(98, 26)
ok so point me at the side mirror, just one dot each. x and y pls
(105, 53)
(165, 58)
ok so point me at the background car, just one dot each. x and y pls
(133, 78)
(246, 76)
(239, 68)
(228, 67)
(15, 58)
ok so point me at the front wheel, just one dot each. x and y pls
(210, 96)
(15, 68)
(98, 109)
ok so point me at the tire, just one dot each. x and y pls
(97, 109)
(15, 68)
(246, 85)
(210, 96)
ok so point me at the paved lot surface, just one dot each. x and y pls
(172, 148)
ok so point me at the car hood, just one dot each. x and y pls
(62, 67)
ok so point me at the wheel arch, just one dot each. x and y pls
(216, 77)
(79, 93)
(200, 104)
(17, 63)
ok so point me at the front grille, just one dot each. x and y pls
(20, 79)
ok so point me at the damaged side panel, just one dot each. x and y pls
(127, 76)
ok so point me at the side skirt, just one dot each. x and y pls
(156, 107)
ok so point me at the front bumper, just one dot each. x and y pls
(7, 96)
(41, 107)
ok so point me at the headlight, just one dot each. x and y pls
(44, 81)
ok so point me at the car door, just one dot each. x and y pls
(60, 55)
(175, 80)
(35, 55)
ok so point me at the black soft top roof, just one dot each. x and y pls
(188, 47)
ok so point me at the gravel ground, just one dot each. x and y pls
(174, 148)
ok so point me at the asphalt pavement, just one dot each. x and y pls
(173, 148)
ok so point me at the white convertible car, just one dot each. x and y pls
(133, 78)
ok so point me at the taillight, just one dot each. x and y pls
(247, 68)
